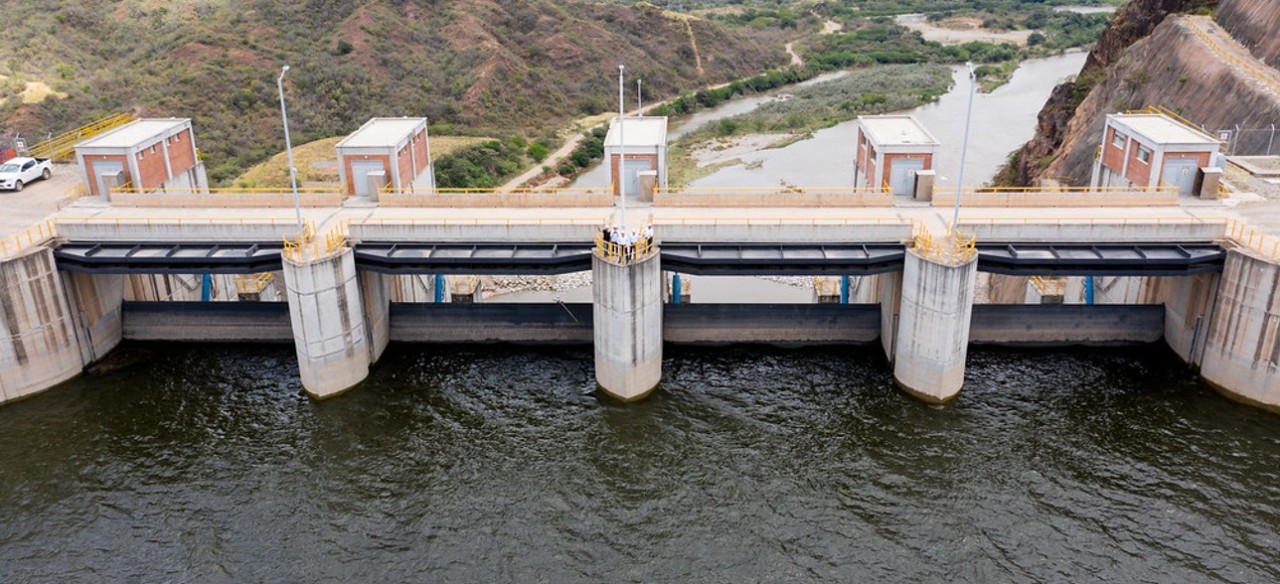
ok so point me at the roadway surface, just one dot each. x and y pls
(37, 200)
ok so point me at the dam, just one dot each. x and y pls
(1211, 274)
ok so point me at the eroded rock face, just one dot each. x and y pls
(1256, 24)
(1131, 23)
(1172, 68)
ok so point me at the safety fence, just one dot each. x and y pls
(64, 145)
(226, 198)
(622, 255)
(951, 248)
(310, 248)
(14, 245)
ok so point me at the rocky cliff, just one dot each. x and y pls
(1080, 106)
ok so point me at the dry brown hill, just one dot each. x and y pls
(489, 67)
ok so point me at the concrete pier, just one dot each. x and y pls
(39, 340)
(327, 316)
(1242, 348)
(932, 336)
(627, 323)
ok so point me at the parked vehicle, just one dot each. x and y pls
(21, 171)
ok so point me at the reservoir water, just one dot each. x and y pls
(453, 464)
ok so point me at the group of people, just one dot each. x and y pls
(627, 241)
(616, 235)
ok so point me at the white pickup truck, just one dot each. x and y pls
(20, 171)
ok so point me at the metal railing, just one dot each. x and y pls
(310, 248)
(64, 144)
(952, 248)
(32, 236)
(1267, 246)
(1071, 189)
(1264, 77)
(426, 191)
(624, 254)
(772, 190)
(254, 283)
(128, 189)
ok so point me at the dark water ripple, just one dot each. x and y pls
(205, 464)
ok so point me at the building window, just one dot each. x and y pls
(1117, 139)
(1144, 155)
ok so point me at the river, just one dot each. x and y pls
(455, 464)
(1003, 121)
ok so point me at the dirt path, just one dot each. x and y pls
(795, 57)
(693, 44)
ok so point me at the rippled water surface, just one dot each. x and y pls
(205, 464)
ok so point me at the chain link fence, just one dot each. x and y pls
(1250, 141)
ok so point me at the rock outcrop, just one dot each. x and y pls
(1132, 22)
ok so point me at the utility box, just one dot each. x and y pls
(891, 151)
(396, 147)
(1144, 150)
(144, 155)
(645, 148)
(648, 184)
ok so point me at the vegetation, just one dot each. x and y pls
(483, 166)
(481, 66)
(867, 91)
(317, 162)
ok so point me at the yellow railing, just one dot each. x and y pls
(952, 248)
(1265, 77)
(1050, 285)
(1081, 190)
(76, 191)
(253, 283)
(1264, 245)
(624, 254)
(771, 190)
(424, 191)
(127, 189)
(11, 245)
(309, 248)
(64, 144)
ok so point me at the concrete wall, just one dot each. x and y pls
(1048, 198)
(95, 302)
(933, 327)
(375, 294)
(208, 322)
(627, 323)
(492, 323)
(39, 340)
(1040, 325)
(1242, 348)
(771, 323)
(328, 323)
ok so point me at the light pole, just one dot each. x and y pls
(288, 147)
(964, 145)
(622, 155)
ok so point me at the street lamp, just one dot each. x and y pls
(622, 155)
(964, 145)
(288, 147)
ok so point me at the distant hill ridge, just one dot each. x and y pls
(482, 66)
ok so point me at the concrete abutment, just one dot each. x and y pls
(1241, 354)
(627, 323)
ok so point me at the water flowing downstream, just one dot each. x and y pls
(206, 464)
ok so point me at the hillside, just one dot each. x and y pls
(484, 67)
(1151, 55)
